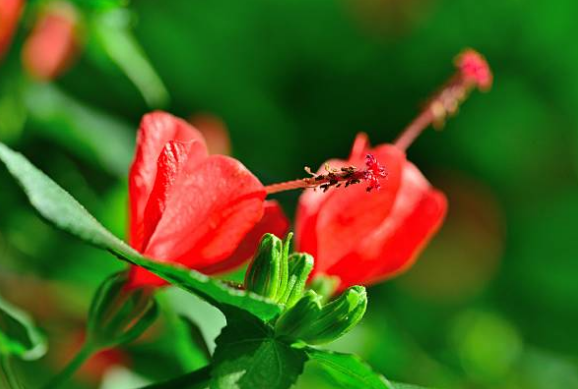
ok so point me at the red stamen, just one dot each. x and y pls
(375, 172)
(336, 178)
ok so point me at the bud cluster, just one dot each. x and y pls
(276, 274)
(282, 278)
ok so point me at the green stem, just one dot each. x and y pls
(85, 352)
(8, 373)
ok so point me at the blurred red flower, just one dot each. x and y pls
(10, 11)
(215, 132)
(53, 42)
(204, 212)
(361, 237)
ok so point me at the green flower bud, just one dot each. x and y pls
(308, 322)
(325, 285)
(300, 265)
(338, 317)
(267, 274)
(292, 321)
(119, 315)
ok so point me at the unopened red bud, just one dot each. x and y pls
(10, 11)
(53, 43)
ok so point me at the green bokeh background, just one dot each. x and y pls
(492, 302)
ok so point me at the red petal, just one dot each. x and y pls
(360, 147)
(52, 44)
(352, 214)
(156, 130)
(170, 164)
(10, 11)
(274, 222)
(210, 210)
(417, 214)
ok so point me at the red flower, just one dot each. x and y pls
(190, 208)
(52, 43)
(10, 11)
(365, 237)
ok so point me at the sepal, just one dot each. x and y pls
(119, 314)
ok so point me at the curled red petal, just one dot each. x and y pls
(170, 165)
(418, 213)
(273, 222)
(210, 210)
(156, 130)
(10, 11)
(52, 43)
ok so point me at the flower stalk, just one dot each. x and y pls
(68, 372)
(7, 374)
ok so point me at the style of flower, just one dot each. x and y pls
(205, 212)
(364, 238)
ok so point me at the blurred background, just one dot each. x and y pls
(492, 302)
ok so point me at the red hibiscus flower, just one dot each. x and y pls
(53, 42)
(10, 11)
(364, 237)
(186, 207)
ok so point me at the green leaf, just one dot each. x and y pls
(18, 334)
(88, 133)
(12, 109)
(249, 356)
(213, 291)
(114, 38)
(100, 4)
(191, 342)
(198, 379)
(59, 208)
(397, 385)
(348, 371)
